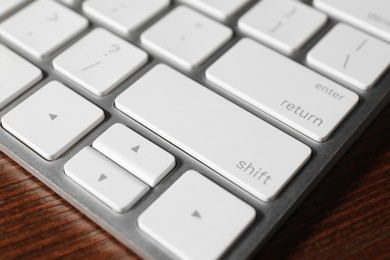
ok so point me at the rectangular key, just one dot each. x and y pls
(42, 27)
(105, 180)
(135, 153)
(249, 152)
(52, 120)
(196, 219)
(370, 15)
(16, 75)
(286, 90)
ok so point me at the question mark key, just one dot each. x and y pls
(91, 62)
(113, 49)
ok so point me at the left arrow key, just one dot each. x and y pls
(49, 139)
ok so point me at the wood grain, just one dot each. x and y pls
(347, 216)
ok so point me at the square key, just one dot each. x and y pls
(196, 219)
(284, 25)
(100, 61)
(42, 27)
(186, 37)
(124, 16)
(16, 75)
(351, 56)
(52, 120)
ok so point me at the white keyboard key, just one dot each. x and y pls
(135, 153)
(42, 27)
(16, 75)
(351, 56)
(52, 120)
(196, 219)
(124, 16)
(105, 180)
(219, 9)
(241, 147)
(370, 15)
(186, 37)
(284, 25)
(100, 61)
(283, 88)
(7, 6)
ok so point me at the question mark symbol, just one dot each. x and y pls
(113, 48)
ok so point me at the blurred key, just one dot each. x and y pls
(351, 56)
(16, 75)
(6, 6)
(219, 9)
(42, 27)
(370, 15)
(284, 25)
(123, 16)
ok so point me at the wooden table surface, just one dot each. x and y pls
(347, 216)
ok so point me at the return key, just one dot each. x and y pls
(286, 90)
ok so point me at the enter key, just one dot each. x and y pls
(286, 90)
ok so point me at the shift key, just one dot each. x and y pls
(288, 91)
(236, 144)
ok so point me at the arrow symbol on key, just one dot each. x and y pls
(196, 214)
(102, 177)
(135, 148)
(52, 117)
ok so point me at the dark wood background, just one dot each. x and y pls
(347, 216)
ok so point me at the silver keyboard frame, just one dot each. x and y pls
(124, 226)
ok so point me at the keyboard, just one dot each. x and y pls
(189, 129)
